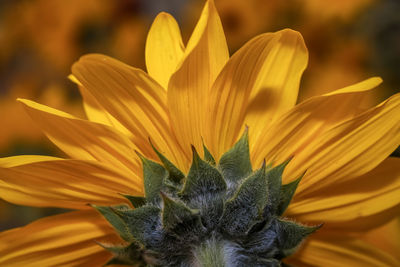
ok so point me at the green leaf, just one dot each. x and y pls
(203, 178)
(175, 174)
(274, 177)
(119, 224)
(287, 192)
(136, 201)
(291, 234)
(207, 156)
(153, 176)
(245, 208)
(175, 213)
(235, 163)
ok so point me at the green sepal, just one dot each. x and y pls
(174, 218)
(153, 176)
(171, 187)
(245, 208)
(274, 177)
(142, 222)
(208, 156)
(116, 221)
(175, 174)
(291, 234)
(235, 163)
(287, 193)
(202, 179)
(175, 213)
(136, 201)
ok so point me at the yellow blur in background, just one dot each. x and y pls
(348, 41)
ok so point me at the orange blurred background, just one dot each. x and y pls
(348, 41)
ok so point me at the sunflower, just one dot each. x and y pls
(331, 152)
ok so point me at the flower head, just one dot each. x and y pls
(195, 95)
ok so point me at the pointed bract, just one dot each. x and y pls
(202, 179)
(207, 156)
(245, 208)
(291, 234)
(286, 194)
(263, 241)
(203, 208)
(143, 223)
(119, 225)
(136, 201)
(153, 176)
(175, 174)
(235, 163)
(274, 177)
(176, 213)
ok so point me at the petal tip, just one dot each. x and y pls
(377, 80)
(163, 15)
(24, 101)
(294, 34)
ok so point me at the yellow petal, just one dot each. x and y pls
(332, 250)
(164, 48)
(55, 182)
(299, 127)
(60, 240)
(94, 111)
(134, 99)
(386, 237)
(349, 149)
(86, 140)
(189, 87)
(362, 199)
(8, 162)
(258, 84)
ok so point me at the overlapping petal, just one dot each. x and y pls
(45, 181)
(362, 199)
(299, 127)
(258, 83)
(95, 112)
(134, 99)
(62, 240)
(334, 248)
(385, 237)
(349, 149)
(86, 140)
(189, 87)
(164, 48)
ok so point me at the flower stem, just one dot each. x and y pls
(210, 254)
